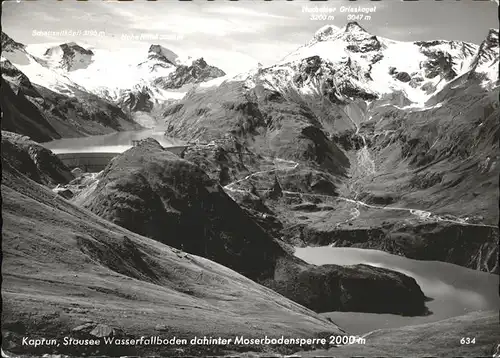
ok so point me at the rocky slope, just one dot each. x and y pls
(9, 44)
(470, 246)
(155, 76)
(171, 80)
(71, 56)
(485, 63)
(69, 273)
(260, 119)
(415, 137)
(22, 116)
(198, 71)
(42, 114)
(450, 160)
(188, 210)
(31, 159)
(442, 159)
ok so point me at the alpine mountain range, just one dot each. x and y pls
(382, 154)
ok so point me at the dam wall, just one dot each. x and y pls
(94, 162)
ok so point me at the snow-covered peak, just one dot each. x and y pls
(327, 32)
(10, 45)
(126, 76)
(15, 77)
(337, 44)
(488, 50)
(447, 58)
(492, 36)
(37, 69)
(352, 33)
(485, 64)
(158, 52)
(359, 62)
(70, 47)
(69, 56)
(354, 28)
(198, 71)
(200, 63)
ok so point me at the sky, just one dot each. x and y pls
(237, 35)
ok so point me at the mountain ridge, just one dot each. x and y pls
(100, 72)
(425, 141)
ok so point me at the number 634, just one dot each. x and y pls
(468, 340)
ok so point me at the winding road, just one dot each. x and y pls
(367, 167)
(421, 214)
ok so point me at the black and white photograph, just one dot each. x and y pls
(250, 178)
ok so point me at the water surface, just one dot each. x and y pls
(109, 143)
(455, 290)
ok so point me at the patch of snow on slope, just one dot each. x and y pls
(214, 82)
(109, 69)
(108, 75)
(161, 94)
(39, 74)
(396, 55)
(333, 51)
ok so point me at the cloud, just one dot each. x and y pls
(181, 21)
(231, 10)
(91, 17)
(403, 32)
(189, 24)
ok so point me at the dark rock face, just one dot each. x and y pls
(474, 247)
(428, 88)
(65, 193)
(255, 207)
(268, 125)
(223, 160)
(359, 39)
(335, 288)
(182, 210)
(172, 110)
(348, 140)
(311, 66)
(416, 81)
(403, 77)
(138, 100)
(379, 198)
(43, 115)
(439, 63)
(310, 181)
(199, 71)
(447, 158)
(369, 44)
(162, 54)
(442, 55)
(276, 190)
(74, 57)
(153, 192)
(340, 237)
(9, 44)
(93, 115)
(470, 246)
(22, 116)
(33, 160)
(488, 50)
(18, 81)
